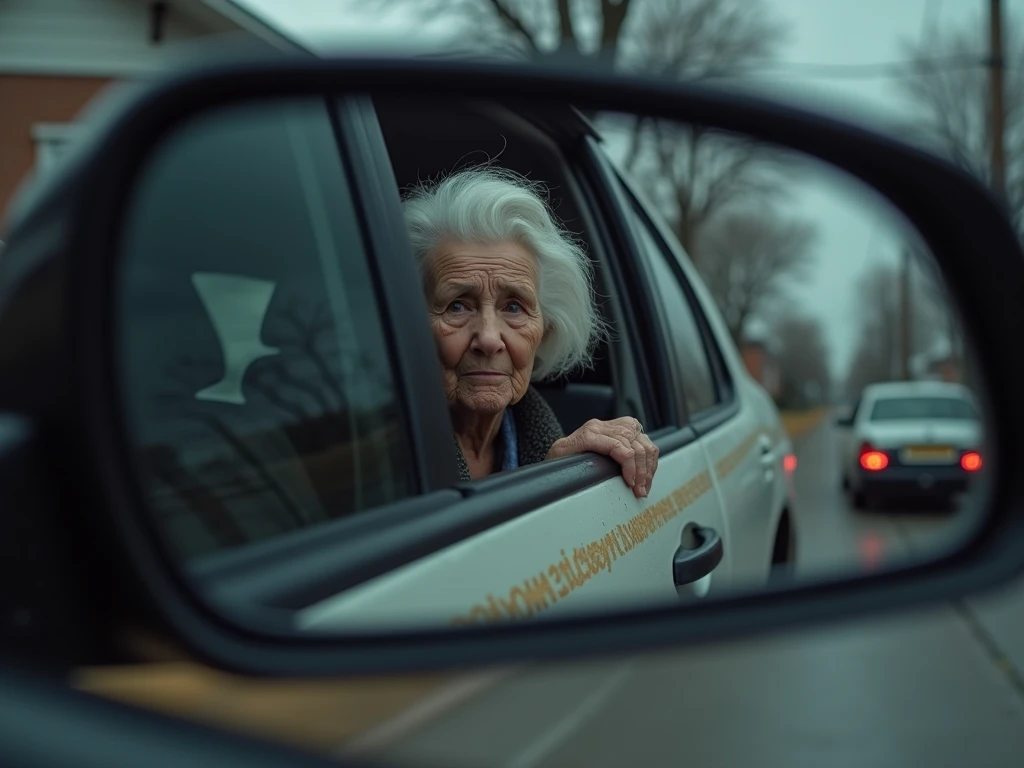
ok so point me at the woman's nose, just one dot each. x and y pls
(487, 339)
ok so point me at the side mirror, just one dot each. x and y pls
(224, 483)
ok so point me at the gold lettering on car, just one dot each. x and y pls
(586, 562)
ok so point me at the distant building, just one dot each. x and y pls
(939, 364)
(56, 55)
(946, 369)
(763, 365)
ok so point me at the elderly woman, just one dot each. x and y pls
(510, 300)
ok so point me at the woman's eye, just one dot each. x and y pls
(456, 306)
(514, 307)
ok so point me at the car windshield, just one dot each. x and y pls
(897, 408)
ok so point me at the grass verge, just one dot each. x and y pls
(799, 423)
(315, 715)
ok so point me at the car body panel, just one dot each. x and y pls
(748, 449)
(963, 434)
(598, 548)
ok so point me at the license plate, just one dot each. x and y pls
(924, 453)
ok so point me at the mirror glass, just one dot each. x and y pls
(678, 364)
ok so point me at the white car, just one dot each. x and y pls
(321, 484)
(910, 439)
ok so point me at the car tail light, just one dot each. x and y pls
(873, 460)
(789, 463)
(971, 461)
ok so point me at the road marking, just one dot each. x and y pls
(990, 647)
(569, 724)
(423, 711)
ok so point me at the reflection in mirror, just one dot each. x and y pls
(757, 343)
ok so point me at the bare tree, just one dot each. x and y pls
(803, 356)
(871, 363)
(694, 173)
(680, 38)
(934, 308)
(878, 353)
(948, 83)
(749, 259)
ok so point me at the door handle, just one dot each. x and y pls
(698, 555)
(767, 450)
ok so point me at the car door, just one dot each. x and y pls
(690, 384)
(293, 440)
(746, 453)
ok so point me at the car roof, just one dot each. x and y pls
(887, 389)
(116, 99)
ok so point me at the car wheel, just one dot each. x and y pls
(783, 564)
(784, 547)
(860, 501)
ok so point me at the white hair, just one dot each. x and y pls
(494, 205)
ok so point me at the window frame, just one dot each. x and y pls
(628, 349)
(728, 404)
(266, 581)
(630, 270)
(400, 300)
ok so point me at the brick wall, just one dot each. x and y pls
(29, 99)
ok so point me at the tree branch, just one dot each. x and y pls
(513, 23)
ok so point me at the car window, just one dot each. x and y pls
(683, 329)
(896, 408)
(253, 354)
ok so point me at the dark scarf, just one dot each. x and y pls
(537, 429)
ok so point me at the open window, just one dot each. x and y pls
(426, 140)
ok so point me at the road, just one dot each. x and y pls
(933, 688)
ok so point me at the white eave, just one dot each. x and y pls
(109, 38)
(244, 20)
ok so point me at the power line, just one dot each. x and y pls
(861, 71)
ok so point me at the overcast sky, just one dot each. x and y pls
(831, 32)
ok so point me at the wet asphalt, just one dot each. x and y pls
(938, 687)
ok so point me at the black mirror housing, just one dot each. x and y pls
(58, 376)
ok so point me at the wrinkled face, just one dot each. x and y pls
(483, 302)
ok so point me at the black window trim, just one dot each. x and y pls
(728, 405)
(723, 376)
(645, 329)
(269, 580)
(580, 176)
(425, 423)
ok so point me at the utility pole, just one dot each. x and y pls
(997, 106)
(905, 313)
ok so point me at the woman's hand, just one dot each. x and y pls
(621, 439)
